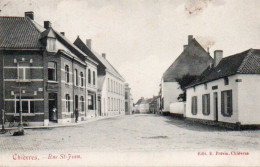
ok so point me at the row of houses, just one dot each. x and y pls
(52, 77)
(225, 90)
(148, 105)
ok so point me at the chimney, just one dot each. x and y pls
(190, 38)
(184, 47)
(29, 14)
(88, 43)
(103, 55)
(47, 24)
(218, 55)
(62, 33)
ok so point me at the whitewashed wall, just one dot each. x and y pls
(200, 90)
(249, 99)
(177, 108)
(170, 93)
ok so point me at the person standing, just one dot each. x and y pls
(76, 114)
(54, 114)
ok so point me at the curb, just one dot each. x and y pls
(66, 125)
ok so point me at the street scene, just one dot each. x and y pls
(135, 133)
(129, 83)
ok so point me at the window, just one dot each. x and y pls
(194, 108)
(226, 103)
(23, 71)
(82, 79)
(89, 76)
(91, 102)
(109, 104)
(82, 100)
(67, 103)
(27, 105)
(51, 44)
(67, 73)
(126, 95)
(206, 104)
(111, 85)
(226, 81)
(76, 80)
(94, 78)
(52, 71)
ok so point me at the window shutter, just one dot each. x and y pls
(196, 105)
(222, 103)
(208, 105)
(203, 104)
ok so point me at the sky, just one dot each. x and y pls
(142, 38)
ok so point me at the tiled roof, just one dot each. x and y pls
(247, 62)
(78, 42)
(18, 32)
(193, 60)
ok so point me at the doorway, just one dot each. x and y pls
(53, 110)
(99, 106)
(215, 96)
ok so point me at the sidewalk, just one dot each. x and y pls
(65, 125)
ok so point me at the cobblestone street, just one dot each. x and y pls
(131, 134)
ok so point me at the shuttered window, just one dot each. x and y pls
(194, 107)
(206, 104)
(226, 103)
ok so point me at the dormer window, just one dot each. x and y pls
(51, 44)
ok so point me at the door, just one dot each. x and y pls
(53, 109)
(99, 106)
(215, 96)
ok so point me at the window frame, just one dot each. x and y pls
(54, 71)
(76, 80)
(67, 73)
(81, 79)
(94, 77)
(227, 111)
(89, 76)
(194, 105)
(206, 104)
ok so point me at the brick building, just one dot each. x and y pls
(110, 88)
(49, 69)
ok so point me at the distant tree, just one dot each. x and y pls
(184, 81)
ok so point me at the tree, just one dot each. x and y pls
(184, 81)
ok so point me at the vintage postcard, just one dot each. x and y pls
(129, 83)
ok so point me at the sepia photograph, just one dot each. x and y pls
(129, 83)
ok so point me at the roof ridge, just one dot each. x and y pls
(249, 53)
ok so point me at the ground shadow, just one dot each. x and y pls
(195, 126)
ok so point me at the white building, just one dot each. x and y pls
(228, 92)
(193, 61)
(106, 90)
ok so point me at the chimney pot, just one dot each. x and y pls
(62, 33)
(104, 55)
(47, 24)
(218, 55)
(88, 43)
(190, 38)
(29, 14)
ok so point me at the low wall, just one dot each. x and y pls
(177, 108)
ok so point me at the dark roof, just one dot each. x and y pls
(193, 60)
(81, 45)
(247, 62)
(19, 32)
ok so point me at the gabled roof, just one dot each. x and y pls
(82, 46)
(193, 60)
(19, 33)
(247, 62)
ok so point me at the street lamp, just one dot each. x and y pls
(20, 126)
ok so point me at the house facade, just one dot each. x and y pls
(45, 69)
(227, 93)
(110, 84)
(192, 61)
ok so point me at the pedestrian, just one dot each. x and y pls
(76, 114)
(54, 113)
